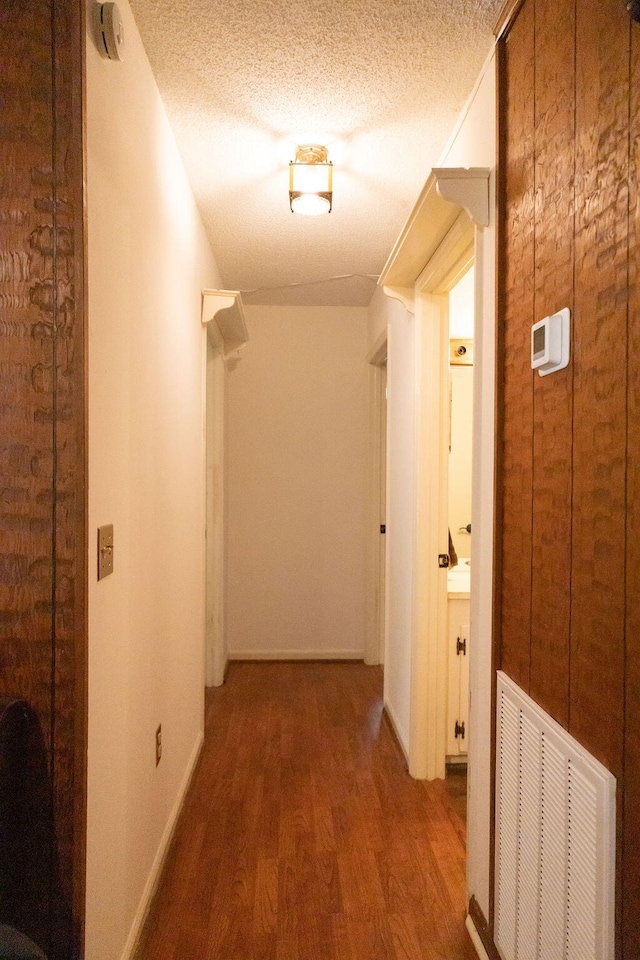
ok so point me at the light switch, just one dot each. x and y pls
(105, 550)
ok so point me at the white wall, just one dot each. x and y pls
(473, 145)
(147, 262)
(297, 484)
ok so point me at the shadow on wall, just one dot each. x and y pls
(27, 838)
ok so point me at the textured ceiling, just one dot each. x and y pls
(379, 82)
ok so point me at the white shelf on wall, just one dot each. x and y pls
(223, 314)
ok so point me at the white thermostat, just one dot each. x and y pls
(112, 31)
(550, 343)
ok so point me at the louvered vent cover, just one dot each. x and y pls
(555, 839)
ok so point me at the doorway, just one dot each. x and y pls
(377, 572)
(459, 486)
(430, 664)
(215, 652)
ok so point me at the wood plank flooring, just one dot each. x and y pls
(303, 837)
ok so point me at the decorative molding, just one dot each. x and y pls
(261, 655)
(507, 16)
(406, 296)
(447, 192)
(223, 312)
(468, 188)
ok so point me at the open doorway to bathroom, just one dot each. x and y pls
(461, 332)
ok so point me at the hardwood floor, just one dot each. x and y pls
(303, 837)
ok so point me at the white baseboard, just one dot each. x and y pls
(160, 857)
(296, 655)
(475, 939)
(393, 720)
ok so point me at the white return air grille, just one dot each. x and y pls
(555, 839)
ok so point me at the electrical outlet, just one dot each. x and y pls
(158, 744)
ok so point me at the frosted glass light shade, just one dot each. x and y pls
(310, 181)
(311, 204)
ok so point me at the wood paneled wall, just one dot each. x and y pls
(568, 628)
(42, 457)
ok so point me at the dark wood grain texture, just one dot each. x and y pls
(42, 426)
(583, 608)
(304, 836)
(600, 380)
(516, 389)
(70, 602)
(26, 460)
(552, 444)
(631, 838)
(597, 703)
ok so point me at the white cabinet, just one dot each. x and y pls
(458, 674)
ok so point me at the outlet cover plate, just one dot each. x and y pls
(105, 550)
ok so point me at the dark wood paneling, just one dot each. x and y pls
(551, 541)
(516, 395)
(631, 839)
(600, 374)
(600, 389)
(585, 548)
(70, 461)
(42, 426)
(26, 426)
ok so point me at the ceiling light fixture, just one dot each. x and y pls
(310, 180)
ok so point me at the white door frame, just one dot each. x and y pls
(427, 745)
(215, 648)
(376, 627)
(223, 318)
(436, 246)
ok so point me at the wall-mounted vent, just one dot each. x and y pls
(555, 839)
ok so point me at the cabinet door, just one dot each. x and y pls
(458, 678)
(463, 706)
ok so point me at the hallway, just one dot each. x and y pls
(303, 837)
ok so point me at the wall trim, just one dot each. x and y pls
(507, 15)
(378, 352)
(259, 655)
(214, 454)
(155, 874)
(480, 934)
(389, 713)
(375, 636)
